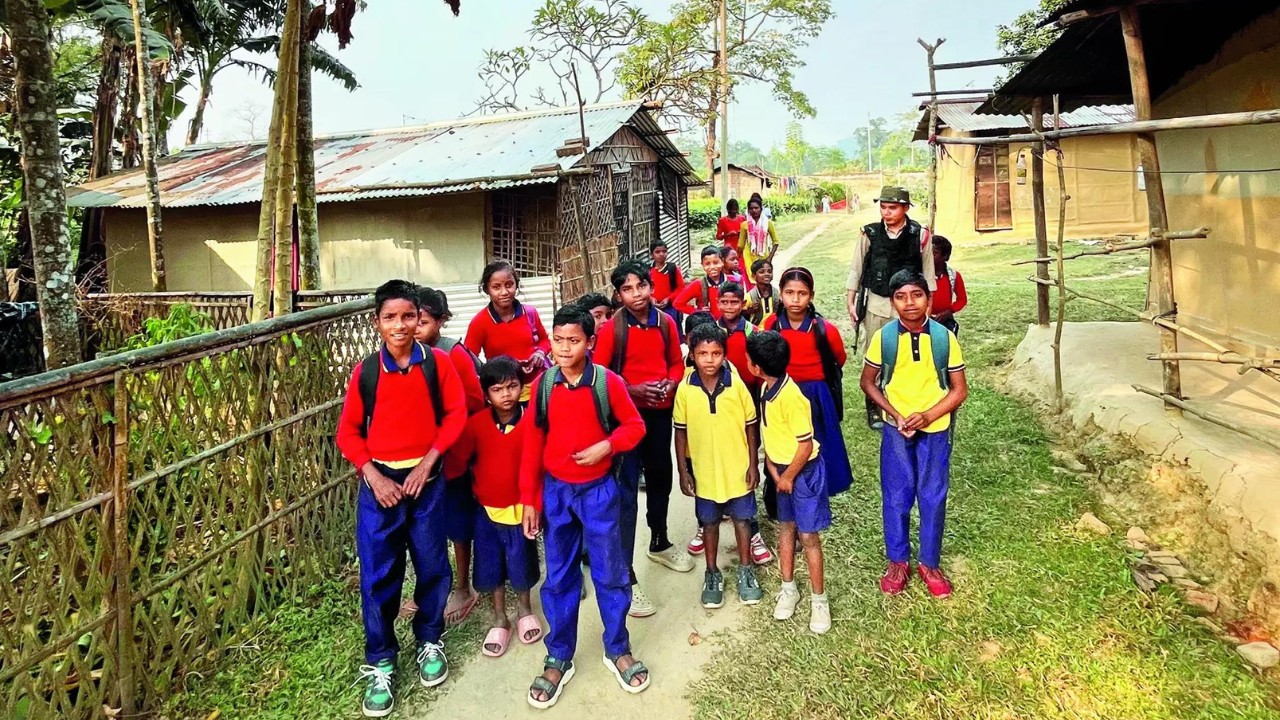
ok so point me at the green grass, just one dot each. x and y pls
(1045, 623)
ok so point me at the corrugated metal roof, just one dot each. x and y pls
(463, 155)
(963, 117)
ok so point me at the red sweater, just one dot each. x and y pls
(519, 337)
(494, 457)
(806, 363)
(729, 231)
(648, 358)
(662, 287)
(403, 425)
(737, 350)
(466, 368)
(949, 299)
(689, 300)
(572, 428)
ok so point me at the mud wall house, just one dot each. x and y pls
(984, 192)
(432, 204)
(744, 180)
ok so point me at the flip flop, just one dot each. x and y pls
(461, 612)
(497, 636)
(526, 624)
(407, 610)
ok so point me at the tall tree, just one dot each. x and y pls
(308, 218)
(1027, 34)
(678, 61)
(37, 114)
(147, 114)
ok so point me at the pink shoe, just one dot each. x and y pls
(760, 553)
(938, 584)
(895, 578)
(697, 546)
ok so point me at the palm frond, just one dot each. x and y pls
(324, 62)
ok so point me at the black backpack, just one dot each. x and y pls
(599, 398)
(621, 332)
(832, 373)
(447, 344)
(371, 371)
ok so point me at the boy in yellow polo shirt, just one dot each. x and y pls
(915, 373)
(791, 457)
(717, 441)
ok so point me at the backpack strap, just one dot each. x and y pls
(432, 377)
(706, 295)
(448, 345)
(832, 373)
(888, 351)
(371, 371)
(620, 336)
(600, 396)
(542, 397)
(940, 344)
(531, 317)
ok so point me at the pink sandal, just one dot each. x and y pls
(497, 636)
(458, 613)
(526, 624)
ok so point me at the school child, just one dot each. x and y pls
(915, 374)
(581, 418)
(598, 306)
(950, 297)
(817, 368)
(491, 446)
(508, 327)
(640, 344)
(404, 409)
(702, 317)
(729, 227)
(704, 294)
(667, 280)
(459, 503)
(762, 299)
(793, 460)
(717, 441)
(732, 271)
(759, 236)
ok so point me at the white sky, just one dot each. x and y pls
(417, 63)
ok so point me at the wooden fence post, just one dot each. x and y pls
(121, 564)
(1037, 208)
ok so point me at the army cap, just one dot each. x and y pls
(894, 194)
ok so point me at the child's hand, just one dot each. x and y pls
(773, 472)
(687, 484)
(786, 482)
(385, 491)
(651, 393)
(662, 304)
(530, 520)
(913, 422)
(595, 454)
(420, 474)
(753, 477)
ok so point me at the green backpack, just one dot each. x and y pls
(599, 395)
(939, 342)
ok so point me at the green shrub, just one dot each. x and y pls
(181, 322)
(703, 213)
(784, 205)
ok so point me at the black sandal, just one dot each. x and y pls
(552, 690)
(626, 676)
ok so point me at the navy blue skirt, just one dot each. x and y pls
(826, 429)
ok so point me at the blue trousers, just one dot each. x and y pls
(382, 536)
(582, 515)
(914, 470)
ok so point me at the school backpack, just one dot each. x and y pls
(939, 343)
(832, 372)
(447, 344)
(620, 335)
(371, 371)
(599, 396)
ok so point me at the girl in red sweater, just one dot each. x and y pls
(729, 229)
(811, 338)
(507, 327)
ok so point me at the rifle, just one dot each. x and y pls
(860, 305)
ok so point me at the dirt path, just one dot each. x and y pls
(782, 260)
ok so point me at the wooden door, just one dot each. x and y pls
(993, 203)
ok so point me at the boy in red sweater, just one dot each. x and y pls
(491, 446)
(580, 419)
(704, 294)
(950, 297)
(404, 408)
(667, 280)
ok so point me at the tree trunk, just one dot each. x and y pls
(37, 116)
(289, 73)
(710, 150)
(129, 143)
(197, 120)
(91, 268)
(308, 221)
(146, 105)
(160, 122)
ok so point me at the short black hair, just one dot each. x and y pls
(435, 303)
(594, 300)
(707, 333)
(627, 268)
(733, 288)
(497, 371)
(702, 317)
(724, 252)
(494, 268)
(573, 314)
(710, 250)
(903, 278)
(657, 244)
(395, 290)
(759, 263)
(770, 351)
(732, 206)
(944, 245)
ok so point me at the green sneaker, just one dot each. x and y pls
(433, 667)
(378, 701)
(749, 591)
(713, 590)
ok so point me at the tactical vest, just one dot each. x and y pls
(890, 255)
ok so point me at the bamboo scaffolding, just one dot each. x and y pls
(1209, 417)
(1195, 122)
(933, 128)
(1122, 247)
(1226, 358)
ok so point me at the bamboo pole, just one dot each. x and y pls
(121, 563)
(1160, 297)
(146, 105)
(308, 219)
(1061, 274)
(1226, 358)
(1038, 211)
(1112, 248)
(290, 41)
(724, 105)
(588, 281)
(1013, 59)
(1210, 417)
(933, 129)
(1195, 122)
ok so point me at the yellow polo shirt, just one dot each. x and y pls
(914, 387)
(788, 421)
(716, 423)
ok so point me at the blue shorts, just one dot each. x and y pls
(739, 508)
(459, 510)
(807, 505)
(502, 554)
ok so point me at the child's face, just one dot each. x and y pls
(600, 314)
(659, 255)
(501, 289)
(764, 276)
(912, 303)
(570, 345)
(754, 210)
(712, 265)
(939, 261)
(731, 260)
(397, 321)
(754, 368)
(504, 396)
(730, 307)
(708, 358)
(428, 328)
(796, 297)
(635, 293)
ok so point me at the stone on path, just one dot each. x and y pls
(1090, 522)
(1069, 461)
(1260, 655)
(1137, 538)
(1201, 599)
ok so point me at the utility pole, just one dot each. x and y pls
(724, 103)
(870, 162)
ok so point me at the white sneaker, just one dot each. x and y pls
(673, 558)
(641, 605)
(820, 617)
(787, 601)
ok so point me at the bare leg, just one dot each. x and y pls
(462, 559)
(524, 608)
(711, 540)
(787, 550)
(742, 530)
(500, 619)
(812, 543)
